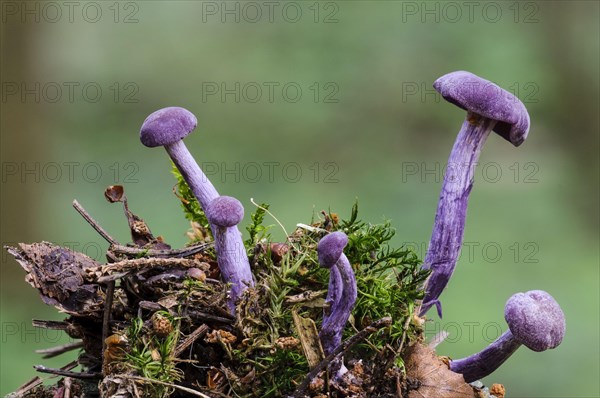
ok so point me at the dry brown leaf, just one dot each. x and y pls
(58, 274)
(432, 377)
(309, 339)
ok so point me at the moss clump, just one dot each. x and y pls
(388, 280)
(170, 331)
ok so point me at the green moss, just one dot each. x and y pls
(388, 281)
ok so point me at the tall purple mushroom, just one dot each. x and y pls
(224, 213)
(488, 108)
(168, 127)
(343, 292)
(535, 320)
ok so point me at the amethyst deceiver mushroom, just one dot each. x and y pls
(534, 319)
(489, 108)
(168, 127)
(342, 289)
(225, 213)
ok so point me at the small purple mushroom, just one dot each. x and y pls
(224, 213)
(488, 108)
(342, 294)
(168, 127)
(534, 319)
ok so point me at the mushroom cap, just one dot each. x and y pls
(535, 319)
(472, 93)
(167, 126)
(225, 211)
(331, 247)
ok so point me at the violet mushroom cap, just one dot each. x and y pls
(167, 127)
(331, 247)
(330, 252)
(489, 108)
(225, 213)
(480, 96)
(535, 320)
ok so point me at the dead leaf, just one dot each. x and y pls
(58, 274)
(432, 378)
(140, 232)
(309, 338)
(114, 193)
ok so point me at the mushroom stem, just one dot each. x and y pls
(199, 183)
(333, 325)
(334, 292)
(448, 229)
(341, 295)
(224, 214)
(487, 361)
(233, 262)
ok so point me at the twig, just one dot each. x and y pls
(61, 349)
(110, 291)
(184, 252)
(189, 340)
(67, 373)
(93, 223)
(340, 351)
(208, 317)
(30, 385)
(438, 339)
(178, 387)
(52, 325)
(105, 273)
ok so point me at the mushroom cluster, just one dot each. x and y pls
(168, 127)
(534, 318)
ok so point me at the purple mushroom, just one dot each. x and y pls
(342, 292)
(488, 108)
(224, 213)
(534, 319)
(168, 127)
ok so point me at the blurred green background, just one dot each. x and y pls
(345, 111)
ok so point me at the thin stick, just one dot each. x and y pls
(196, 334)
(106, 272)
(185, 252)
(67, 373)
(61, 349)
(30, 385)
(340, 351)
(178, 387)
(93, 223)
(208, 317)
(52, 325)
(110, 291)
